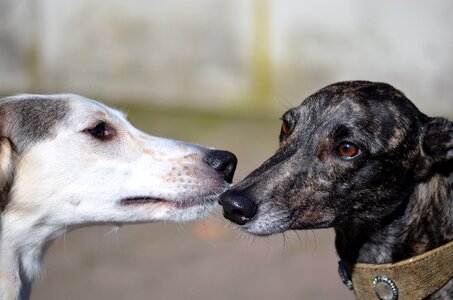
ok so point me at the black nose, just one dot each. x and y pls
(237, 207)
(222, 161)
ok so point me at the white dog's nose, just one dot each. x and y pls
(223, 162)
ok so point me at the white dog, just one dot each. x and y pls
(68, 161)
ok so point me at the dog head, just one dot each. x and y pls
(69, 160)
(349, 154)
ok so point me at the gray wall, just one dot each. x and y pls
(203, 53)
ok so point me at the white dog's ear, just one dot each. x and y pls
(6, 170)
(437, 147)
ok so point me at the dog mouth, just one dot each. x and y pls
(143, 200)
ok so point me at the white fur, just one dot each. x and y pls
(72, 180)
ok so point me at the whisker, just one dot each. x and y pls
(286, 104)
(285, 242)
(65, 249)
(314, 238)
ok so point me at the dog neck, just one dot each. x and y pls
(23, 242)
(423, 222)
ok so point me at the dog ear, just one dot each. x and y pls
(437, 146)
(6, 170)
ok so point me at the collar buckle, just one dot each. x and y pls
(385, 288)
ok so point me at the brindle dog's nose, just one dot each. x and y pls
(237, 207)
(222, 161)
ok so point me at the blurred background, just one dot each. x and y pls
(219, 73)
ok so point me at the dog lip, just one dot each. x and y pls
(142, 200)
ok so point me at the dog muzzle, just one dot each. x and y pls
(410, 279)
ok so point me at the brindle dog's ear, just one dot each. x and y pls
(6, 170)
(437, 147)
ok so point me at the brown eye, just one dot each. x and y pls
(101, 131)
(285, 127)
(348, 150)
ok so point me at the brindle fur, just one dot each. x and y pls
(391, 202)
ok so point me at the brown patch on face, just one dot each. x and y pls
(188, 158)
(395, 140)
(145, 137)
(101, 114)
(149, 152)
(399, 131)
(6, 171)
(170, 176)
(184, 174)
(6, 155)
(132, 142)
(175, 174)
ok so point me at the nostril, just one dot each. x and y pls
(244, 207)
(237, 207)
(222, 161)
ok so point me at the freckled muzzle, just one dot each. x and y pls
(237, 207)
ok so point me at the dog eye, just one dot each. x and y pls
(101, 131)
(348, 150)
(285, 128)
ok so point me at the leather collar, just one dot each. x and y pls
(410, 279)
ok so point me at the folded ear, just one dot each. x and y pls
(437, 146)
(6, 170)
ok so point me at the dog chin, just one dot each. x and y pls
(260, 230)
(191, 213)
(268, 224)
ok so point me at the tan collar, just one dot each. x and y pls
(410, 279)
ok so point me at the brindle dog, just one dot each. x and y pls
(359, 157)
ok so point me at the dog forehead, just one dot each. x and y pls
(363, 101)
(375, 115)
(84, 108)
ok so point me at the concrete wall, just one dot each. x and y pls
(217, 54)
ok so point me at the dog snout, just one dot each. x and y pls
(222, 161)
(237, 207)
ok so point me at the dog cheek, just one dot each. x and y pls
(370, 201)
(314, 216)
(345, 194)
(311, 203)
